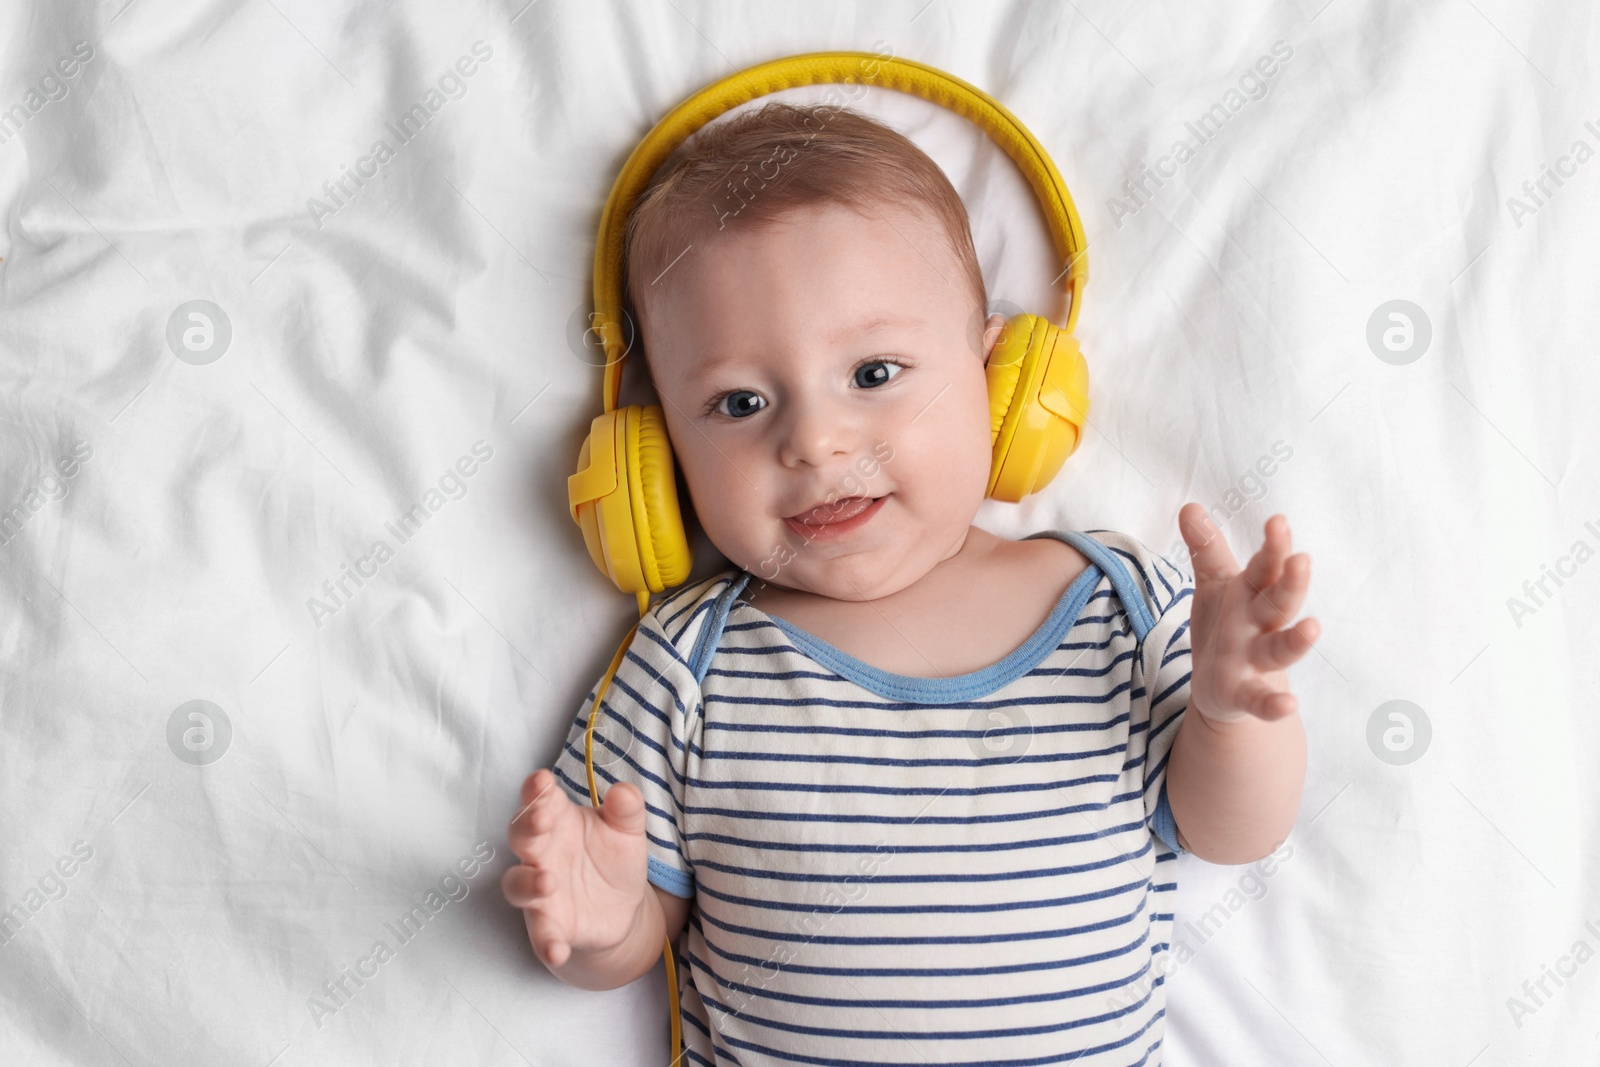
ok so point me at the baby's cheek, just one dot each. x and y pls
(736, 523)
(950, 456)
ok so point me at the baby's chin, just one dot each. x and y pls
(856, 576)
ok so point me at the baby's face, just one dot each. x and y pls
(812, 365)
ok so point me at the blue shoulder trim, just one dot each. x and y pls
(1162, 822)
(711, 630)
(670, 879)
(1128, 591)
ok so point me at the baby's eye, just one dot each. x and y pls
(876, 373)
(740, 403)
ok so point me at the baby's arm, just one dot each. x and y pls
(1238, 762)
(582, 885)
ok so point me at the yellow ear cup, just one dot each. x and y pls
(625, 501)
(658, 523)
(1038, 403)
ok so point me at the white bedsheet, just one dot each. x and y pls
(376, 734)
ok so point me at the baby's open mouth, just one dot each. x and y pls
(828, 514)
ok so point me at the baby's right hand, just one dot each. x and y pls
(583, 875)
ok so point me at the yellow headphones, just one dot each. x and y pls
(624, 497)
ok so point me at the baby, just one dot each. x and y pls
(896, 789)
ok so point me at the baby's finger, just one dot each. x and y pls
(1277, 650)
(538, 785)
(550, 936)
(1265, 566)
(1275, 605)
(1265, 701)
(555, 952)
(532, 842)
(529, 887)
(1209, 555)
(519, 886)
(541, 812)
(1279, 705)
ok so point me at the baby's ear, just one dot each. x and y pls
(993, 328)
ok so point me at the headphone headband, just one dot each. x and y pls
(822, 68)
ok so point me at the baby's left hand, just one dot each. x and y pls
(1238, 647)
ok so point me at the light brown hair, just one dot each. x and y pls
(756, 166)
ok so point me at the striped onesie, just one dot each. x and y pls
(888, 869)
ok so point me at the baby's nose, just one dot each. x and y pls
(817, 435)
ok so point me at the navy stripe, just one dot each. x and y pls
(895, 820)
(851, 849)
(1088, 672)
(1053, 964)
(1169, 690)
(898, 791)
(1167, 723)
(1118, 633)
(582, 791)
(692, 596)
(944, 939)
(603, 774)
(1183, 594)
(1159, 771)
(911, 735)
(1143, 574)
(767, 624)
(888, 761)
(945, 1035)
(933, 879)
(769, 904)
(666, 646)
(1037, 1061)
(759, 650)
(620, 681)
(772, 676)
(901, 706)
(699, 610)
(982, 1002)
